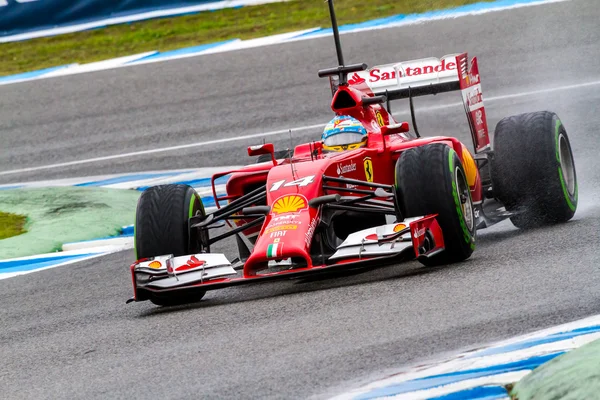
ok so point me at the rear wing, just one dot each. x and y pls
(427, 76)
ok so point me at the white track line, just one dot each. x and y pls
(165, 149)
(273, 133)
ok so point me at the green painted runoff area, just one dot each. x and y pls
(66, 214)
(571, 376)
(206, 27)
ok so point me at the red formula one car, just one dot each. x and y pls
(398, 197)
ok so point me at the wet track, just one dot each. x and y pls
(66, 332)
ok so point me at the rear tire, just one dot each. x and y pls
(431, 180)
(533, 172)
(161, 228)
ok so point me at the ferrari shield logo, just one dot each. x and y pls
(368, 164)
(380, 120)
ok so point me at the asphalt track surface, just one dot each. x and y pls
(66, 332)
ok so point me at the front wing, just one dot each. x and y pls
(415, 237)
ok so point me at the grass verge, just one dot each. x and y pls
(11, 225)
(207, 27)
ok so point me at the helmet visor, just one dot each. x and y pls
(344, 138)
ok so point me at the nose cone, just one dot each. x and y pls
(287, 232)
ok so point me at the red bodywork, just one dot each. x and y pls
(384, 146)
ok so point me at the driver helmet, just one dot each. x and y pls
(344, 133)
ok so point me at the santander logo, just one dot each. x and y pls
(474, 97)
(379, 74)
(411, 69)
(355, 79)
(344, 169)
(192, 262)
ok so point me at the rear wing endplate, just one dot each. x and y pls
(428, 76)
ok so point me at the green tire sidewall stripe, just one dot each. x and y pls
(466, 234)
(560, 172)
(192, 202)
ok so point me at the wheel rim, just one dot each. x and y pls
(567, 167)
(466, 203)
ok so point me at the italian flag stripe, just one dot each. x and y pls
(272, 250)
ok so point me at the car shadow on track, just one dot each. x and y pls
(321, 282)
(354, 277)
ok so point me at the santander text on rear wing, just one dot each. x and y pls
(431, 76)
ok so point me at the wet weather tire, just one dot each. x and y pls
(431, 180)
(161, 228)
(533, 171)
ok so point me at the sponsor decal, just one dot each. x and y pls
(419, 233)
(386, 73)
(376, 74)
(277, 234)
(310, 232)
(298, 182)
(368, 164)
(355, 79)
(474, 97)
(479, 117)
(191, 263)
(280, 223)
(399, 227)
(344, 169)
(287, 227)
(379, 117)
(285, 218)
(290, 204)
(472, 79)
(275, 249)
(337, 122)
(155, 265)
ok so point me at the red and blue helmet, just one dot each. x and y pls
(344, 133)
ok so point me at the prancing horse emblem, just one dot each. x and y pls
(368, 169)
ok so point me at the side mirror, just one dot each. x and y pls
(397, 128)
(317, 147)
(260, 149)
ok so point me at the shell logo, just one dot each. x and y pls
(289, 204)
(155, 265)
(399, 227)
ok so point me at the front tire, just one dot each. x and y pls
(533, 171)
(432, 180)
(161, 228)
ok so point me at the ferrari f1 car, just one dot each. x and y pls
(399, 197)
